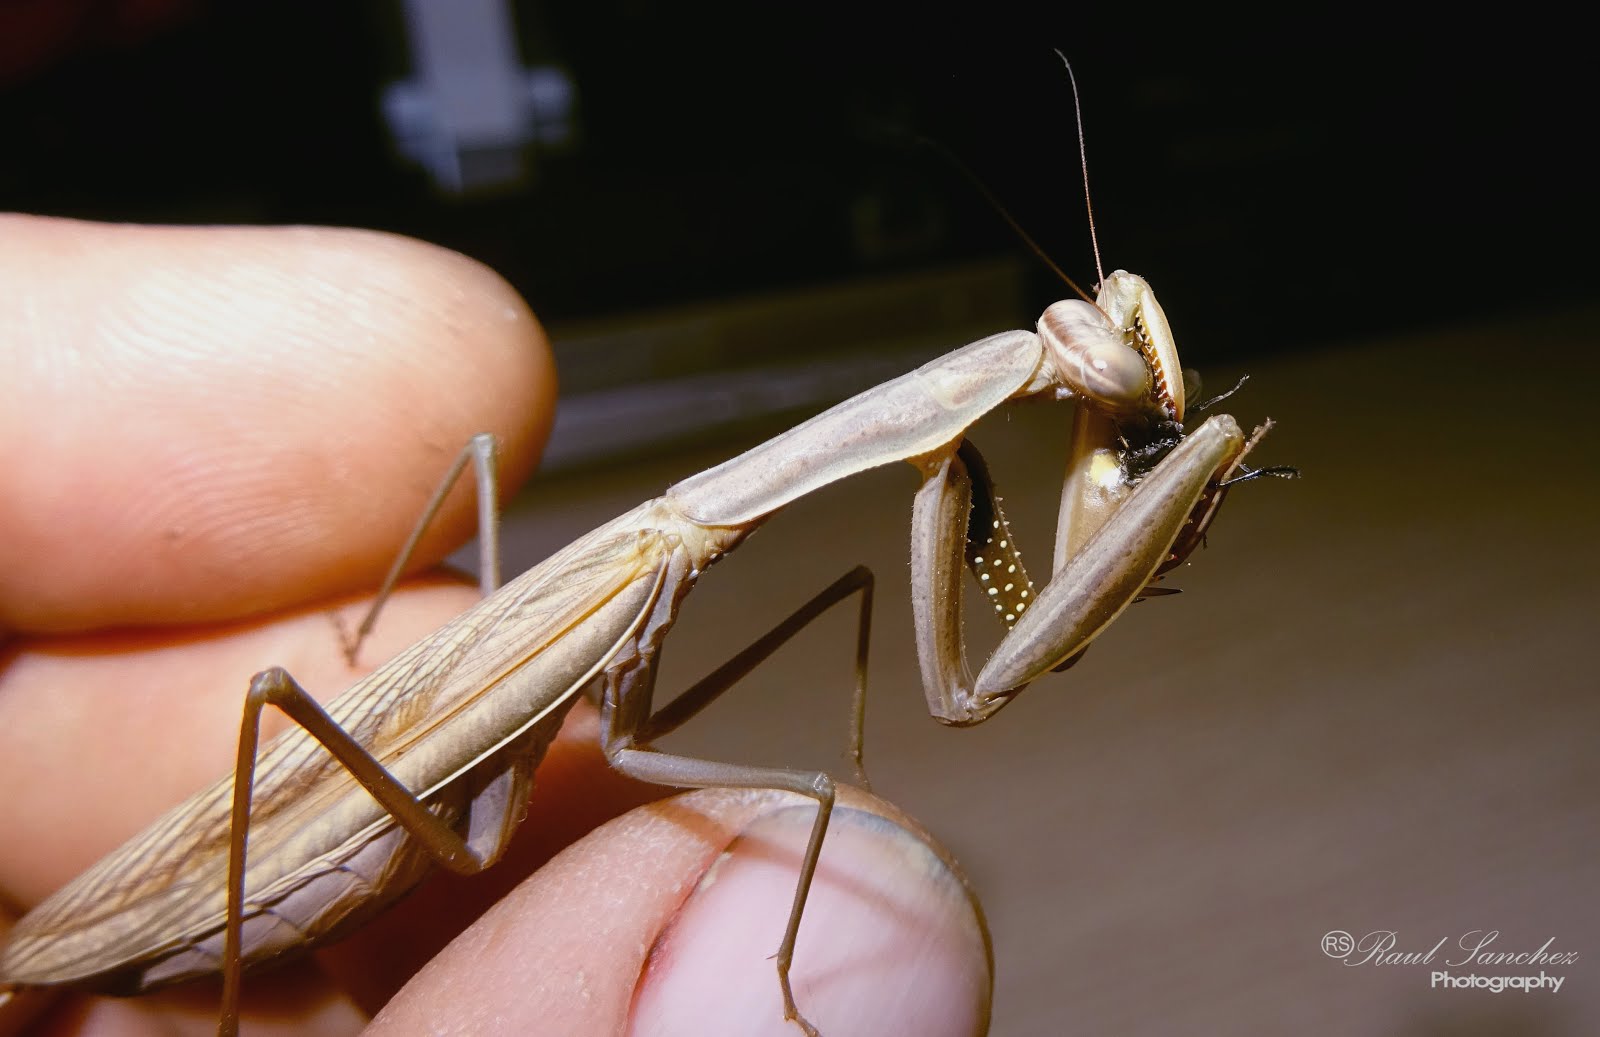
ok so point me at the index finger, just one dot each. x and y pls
(175, 395)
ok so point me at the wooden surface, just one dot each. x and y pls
(1373, 708)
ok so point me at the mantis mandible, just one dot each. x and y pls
(427, 760)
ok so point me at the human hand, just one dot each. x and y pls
(212, 437)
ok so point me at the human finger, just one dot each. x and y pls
(209, 423)
(664, 921)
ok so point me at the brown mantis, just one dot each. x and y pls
(446, 736)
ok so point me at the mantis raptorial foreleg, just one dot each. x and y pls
(1087, 592)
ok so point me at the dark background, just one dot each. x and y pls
(1281, 184)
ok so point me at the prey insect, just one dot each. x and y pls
(427, 761)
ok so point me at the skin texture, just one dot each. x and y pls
(212, 440)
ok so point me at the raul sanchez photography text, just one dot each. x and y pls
(1476, 949)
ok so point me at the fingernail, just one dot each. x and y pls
(892, 940)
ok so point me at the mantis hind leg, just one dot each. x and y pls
(440, 841)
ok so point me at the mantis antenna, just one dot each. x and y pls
(1005, 214)
(1083, 163)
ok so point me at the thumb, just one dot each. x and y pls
(666, 919)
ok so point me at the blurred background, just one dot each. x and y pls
(1374, 708)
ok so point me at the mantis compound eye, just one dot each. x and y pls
(1092, 360)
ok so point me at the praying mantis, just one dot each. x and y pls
(426, 761)
(480, 699)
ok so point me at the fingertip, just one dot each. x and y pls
(216, 422)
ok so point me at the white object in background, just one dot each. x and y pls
(470, 108)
